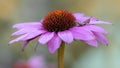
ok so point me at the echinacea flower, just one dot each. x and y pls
(61, 26)
(33, 62)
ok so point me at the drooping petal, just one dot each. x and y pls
(100, 37)
(35, 48)
(44, 38)
(81, 33)
(28, 24)
(66, 36)
(95, 28)
(92, 43)
(24, 44)
(18, 39)
(54, 44)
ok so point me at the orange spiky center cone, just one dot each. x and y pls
(58, 20)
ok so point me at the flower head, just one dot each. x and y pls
(61, 26)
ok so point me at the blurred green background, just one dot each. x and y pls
(78, 54)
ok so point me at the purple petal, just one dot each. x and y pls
(24, 45)
(81, 19)
(28, 25)
(18, 39)
(78, 15)
(23, 31)
(95, 28)
(35, 48)
(19, 32)
(28, 36)
(54, 44)
(66, 36)
(44, 38)
(92, 43)
(101, 38)
(34, 34)
(99, 22)
(93, 20)
(84, 20)
(81, 33)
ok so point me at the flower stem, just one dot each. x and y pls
(61, 56)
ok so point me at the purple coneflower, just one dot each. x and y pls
(61, 26)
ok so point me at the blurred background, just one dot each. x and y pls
(78, 54)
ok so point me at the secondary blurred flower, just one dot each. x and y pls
(60, 26)
(33, 62)
(21, 64)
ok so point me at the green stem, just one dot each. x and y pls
(61, 55)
